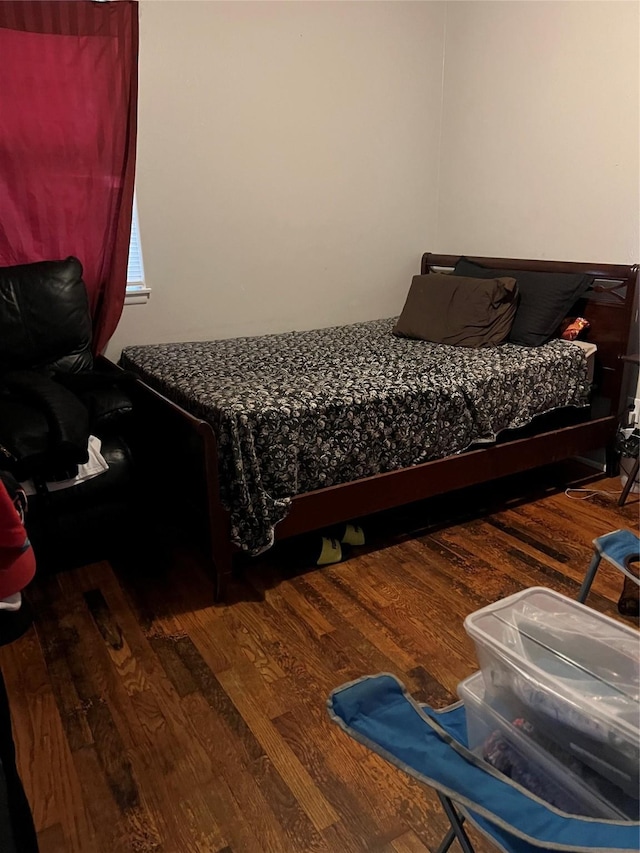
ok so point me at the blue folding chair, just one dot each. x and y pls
(431, 746)
(620, 548)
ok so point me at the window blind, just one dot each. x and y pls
(135, 268)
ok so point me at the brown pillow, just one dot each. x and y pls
(450, 309)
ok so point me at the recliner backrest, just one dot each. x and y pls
(44, 317)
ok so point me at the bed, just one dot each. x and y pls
(283, 434)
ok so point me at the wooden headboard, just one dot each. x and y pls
(608, 305)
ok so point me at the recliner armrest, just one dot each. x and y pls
(105, 394)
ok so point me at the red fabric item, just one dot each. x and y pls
(572, 327)
(17, 562)
(68, 113)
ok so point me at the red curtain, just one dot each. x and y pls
(68, 106)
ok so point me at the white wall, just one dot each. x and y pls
(290, 163)
(540, 133)
(287, 163)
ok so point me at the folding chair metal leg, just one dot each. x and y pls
(456, 831)
(447, 841)
(588, 578)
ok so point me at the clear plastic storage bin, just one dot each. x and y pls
(573, 673)
(513, 746)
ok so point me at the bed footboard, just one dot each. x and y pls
(187, 480)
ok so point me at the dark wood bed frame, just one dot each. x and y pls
(609, 307)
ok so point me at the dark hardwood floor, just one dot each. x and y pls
(147, 719)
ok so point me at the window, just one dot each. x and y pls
(137, 291)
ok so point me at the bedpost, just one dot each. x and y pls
(611, 460)
(178, 428)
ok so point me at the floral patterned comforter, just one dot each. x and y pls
(298, 411)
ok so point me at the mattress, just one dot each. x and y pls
(299, 411)
(590, 351)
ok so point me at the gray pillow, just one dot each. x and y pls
(457, 310)
(545, 299)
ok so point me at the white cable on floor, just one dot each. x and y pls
(590, 493)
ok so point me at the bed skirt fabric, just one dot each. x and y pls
(300, 411)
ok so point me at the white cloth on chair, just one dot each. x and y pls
(96, 465)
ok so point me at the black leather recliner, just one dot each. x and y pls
(52, 397)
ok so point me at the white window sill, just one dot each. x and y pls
(137, 295)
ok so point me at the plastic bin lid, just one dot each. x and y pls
(568, 650)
